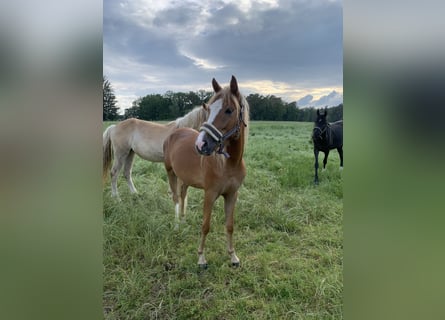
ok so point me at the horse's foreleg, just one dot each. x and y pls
(209, 200)
(127, 171)
(325, 160)
(316, 165)
(229, 208)
(340, 153)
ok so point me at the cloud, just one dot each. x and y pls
(334, 98)
(306, 100)
(295, 46)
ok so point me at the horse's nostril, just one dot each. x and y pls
(199, 145)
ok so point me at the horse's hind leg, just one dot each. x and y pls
(127, 171)
(340, 153)
(229, 208)
(117, 166)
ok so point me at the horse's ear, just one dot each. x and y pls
(326, 111)
(234, 86)
(216, 86)
(205, 106)
(318, 112)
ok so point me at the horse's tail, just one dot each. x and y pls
(107, 152)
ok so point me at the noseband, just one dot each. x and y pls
(219, 137)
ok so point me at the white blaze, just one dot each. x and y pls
(215, 108)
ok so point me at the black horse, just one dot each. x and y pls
(326, 136)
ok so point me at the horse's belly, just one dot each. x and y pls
(150, 152)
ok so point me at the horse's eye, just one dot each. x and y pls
(229, 111)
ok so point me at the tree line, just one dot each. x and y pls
(172, 105)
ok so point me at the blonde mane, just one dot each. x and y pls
(246, 118)
(194, 119)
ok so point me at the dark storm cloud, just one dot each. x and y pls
(295, 42)
(125, 37)
(281, 44)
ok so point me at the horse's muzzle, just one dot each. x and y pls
(204, 150)
(204, 146)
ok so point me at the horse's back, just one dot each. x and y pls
(133, 124)
(145, 138)
(338, 124)
(337, 131)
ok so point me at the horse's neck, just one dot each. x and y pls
(236, 149)
(171, 125)
(193, 119)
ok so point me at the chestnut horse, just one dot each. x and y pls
(144, 138)
(211, 160)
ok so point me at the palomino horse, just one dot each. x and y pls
(211, 160)
(144, 138)
(326, 136)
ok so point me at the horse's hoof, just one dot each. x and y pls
(235, 264)
(203, 266)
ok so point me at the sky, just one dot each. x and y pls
(292, 49)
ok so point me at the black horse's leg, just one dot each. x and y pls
(325, 160)
(340, 153)
(316, 165)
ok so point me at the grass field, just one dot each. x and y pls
(288, 236)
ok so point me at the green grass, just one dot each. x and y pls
(288, 236)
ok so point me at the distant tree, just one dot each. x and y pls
(110, 110)
(271, 108)
(276, 108)
(306, 114)
(291, 112)
(172, 105)
(154, 107)
(258, 107)
(179, 103)
(133, 112)
(204, 96)
(335, 113)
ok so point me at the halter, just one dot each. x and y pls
(327, 129)
(219, 137)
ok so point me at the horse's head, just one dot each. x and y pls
(225, 119)
(320, 126)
